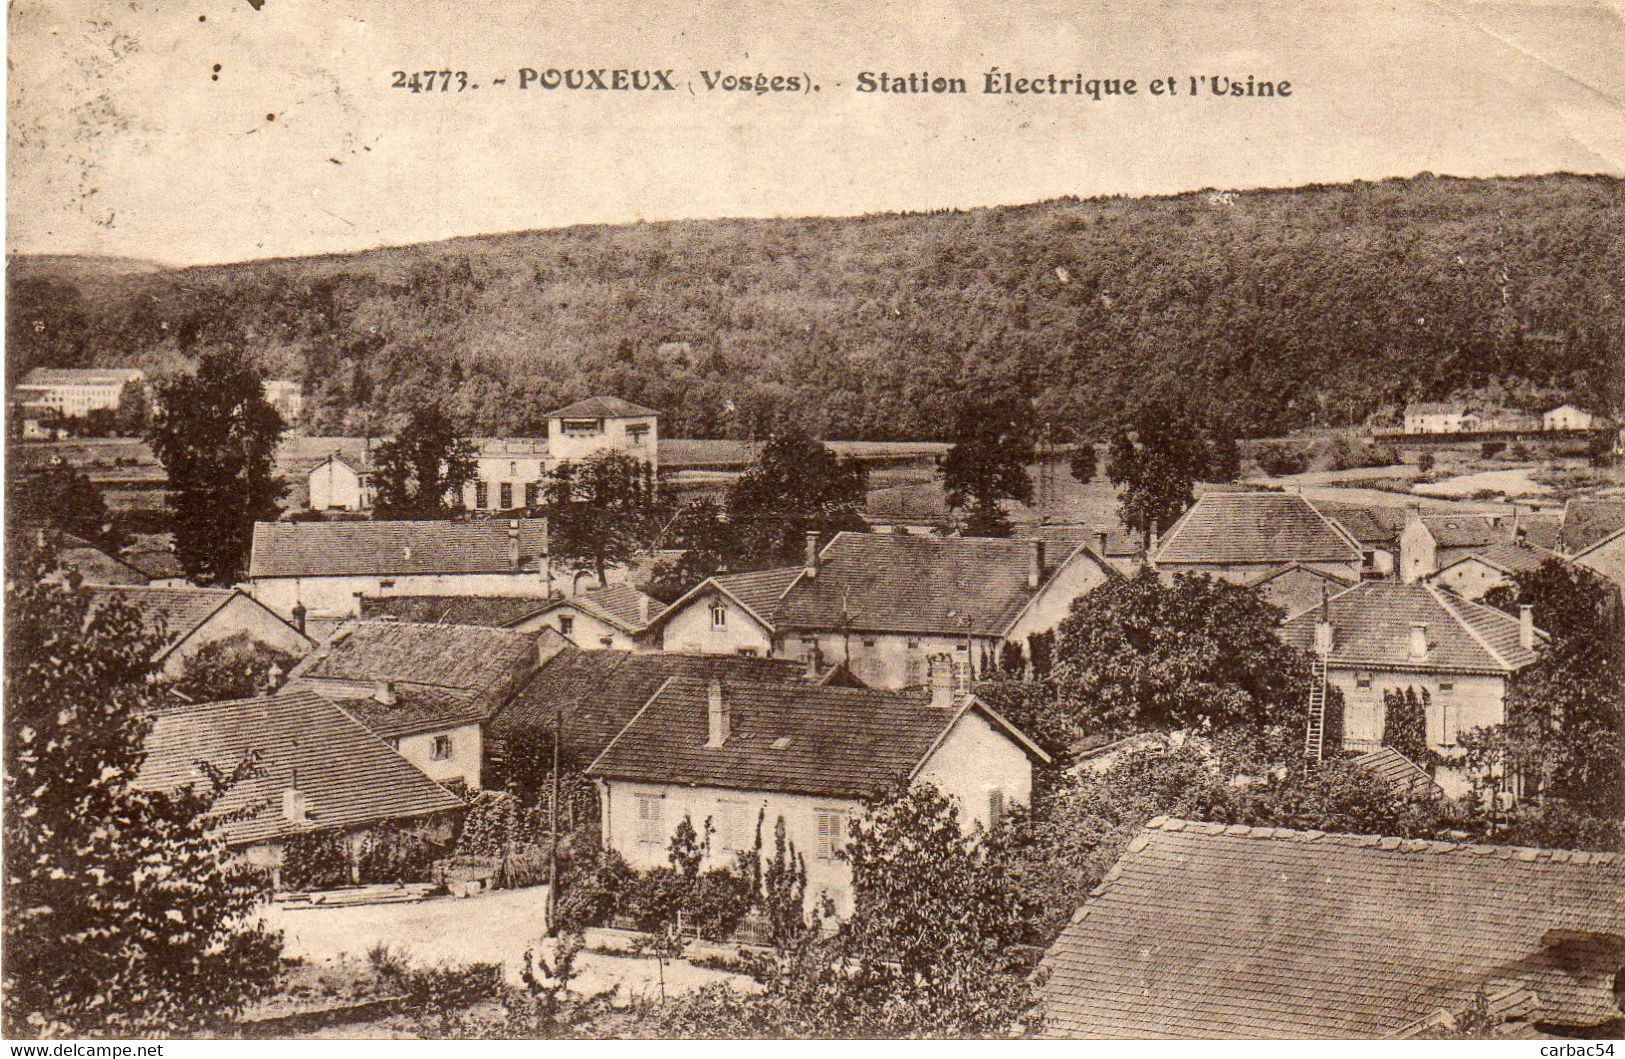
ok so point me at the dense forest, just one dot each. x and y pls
(1280, 309)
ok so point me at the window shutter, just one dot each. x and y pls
(995, 808)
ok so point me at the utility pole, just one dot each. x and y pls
(553, 842)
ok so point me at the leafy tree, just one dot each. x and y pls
(216, 436)
(124, 913)
(709, 546)
(236, 667)
(1141, 653)
(134, 412)
(1404, 722)
(421, 471)
(1157, 457)
(60, 497)
(796, 485)
(988, 464)
(600, 512)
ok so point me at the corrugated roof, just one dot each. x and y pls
(601, 407)
(1371, 628)
(600, 691)
(344, 549)
(805, 739)
(174, 613)
(1203, 930)
(490, 611)
(951, 586)
(1248, 527)
(349, 775)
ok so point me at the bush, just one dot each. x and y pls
(1281, 458)
(317, 860)
(497, 822)
(590, 895)
(1491, 449)
(1425, 462)
(396, 855)
(717, 902)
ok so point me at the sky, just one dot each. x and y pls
(197, 131)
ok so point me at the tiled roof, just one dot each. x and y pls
(154, 560)
(620, 605)
(340, 549)
(601, 407)
(349, 775)
(491, 611)
(96, 566)
(467, 657)
(1367, 524)
(600, 691)
(1286, 568)
(841, 742)
(175, 613)
(888, 582)
(1248, 527)
(1468, 530)
(760, 590)
(1120, 543)
(1606, 557)
(1433, 408)
(1509, 558)
(1371, 627)
(1203, 930)
(1585, 522)
(415, 708)
(1398, 771)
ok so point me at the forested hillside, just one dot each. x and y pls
(1281, 309)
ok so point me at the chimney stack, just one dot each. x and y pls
(299, 616)
(1419, 640)
(643, 608)
(815, 659)
(811, 563)
(1100, 542)
(1035, 567)
(941, 669)
(1323, 636)
(273, 679)
(1526, 626)
(513, 543)
(382, 693)
(295, 804)
(717, 714)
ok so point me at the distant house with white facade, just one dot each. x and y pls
(185, 619)
(1492, 566)
(1430, 542)
(577, 431)
(76, 392)
(882, 604)
(1388, 636)
(1261, 538)
(1439, 417)
(317, 770)
(325, 568)
(337, 484)
(1570, 417)
(427, 689)
(508, 474)
(734, 752)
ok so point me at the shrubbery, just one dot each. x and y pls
(318, 860)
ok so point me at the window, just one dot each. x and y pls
(442, 748)
(567, 624)
(868, 641)
(388, 582)
(532, 492)
(582, 427)
(513, 468)
(719, 615)
(746, 652)
(1362, 680)
(831, 833)
(482, 494)
(916, 671)
(650, 833)
(505, 492)
(606, 641)
(636, 435)
(995, 809)
(1446, 687)
(731, 830)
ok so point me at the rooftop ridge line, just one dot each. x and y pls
(1388, 843)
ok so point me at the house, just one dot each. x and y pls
(1123, 549)
(1606, 559)
(316, 770)
(614, 616)
(326, 567)
(580, 430)
(1585, 522)
(337, 484)
(591, 695)
(733, 752)
(1203, 930)
(155, 557)
(185, 619)
(1430, 542)
(1471, 576)
(1296, 587)
(508, 474)
(1386, 636)
(1241, 537)
(1438, 417)
(1570, 417)
(75, 392)
(427, 689)
(881, 604)
(1375, 528)
(287, 396)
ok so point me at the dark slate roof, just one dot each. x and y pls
(600, 691)
(1371, 628)
(839, 742)
(601, 407)
(1585, 522)
(350, 776)
(1203, 930)
(887, 582)
(174, 613)
(492, 611)
(1248, 527)
(1509, 558)
(1398, 771)
(339, 549)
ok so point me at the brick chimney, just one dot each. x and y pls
(513, 544)
(1419, 640)
(1035, 565)
(273, 679)
(1526, 626)
(811, 562)
(382, 693)
(643, 608)
(295, 803)
(299, 616)
(941, 670)
(1100, 542)
(716, 714)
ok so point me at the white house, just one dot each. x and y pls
(76, 392)
(735, 753)
(1438, 417)
(1471, 576)
(326, 567)
(1431, 542)
(185, 619)
(577, 431)
(508, 474)
(1248, 537)
(336, 484)
(615, 616)
(881, 604)
(1569, 417)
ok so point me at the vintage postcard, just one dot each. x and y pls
(779, 520)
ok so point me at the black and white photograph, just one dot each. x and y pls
(600, 520)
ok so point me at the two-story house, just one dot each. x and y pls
(577, 431)
(1438, 417)
(339, 484)
(735, 753)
